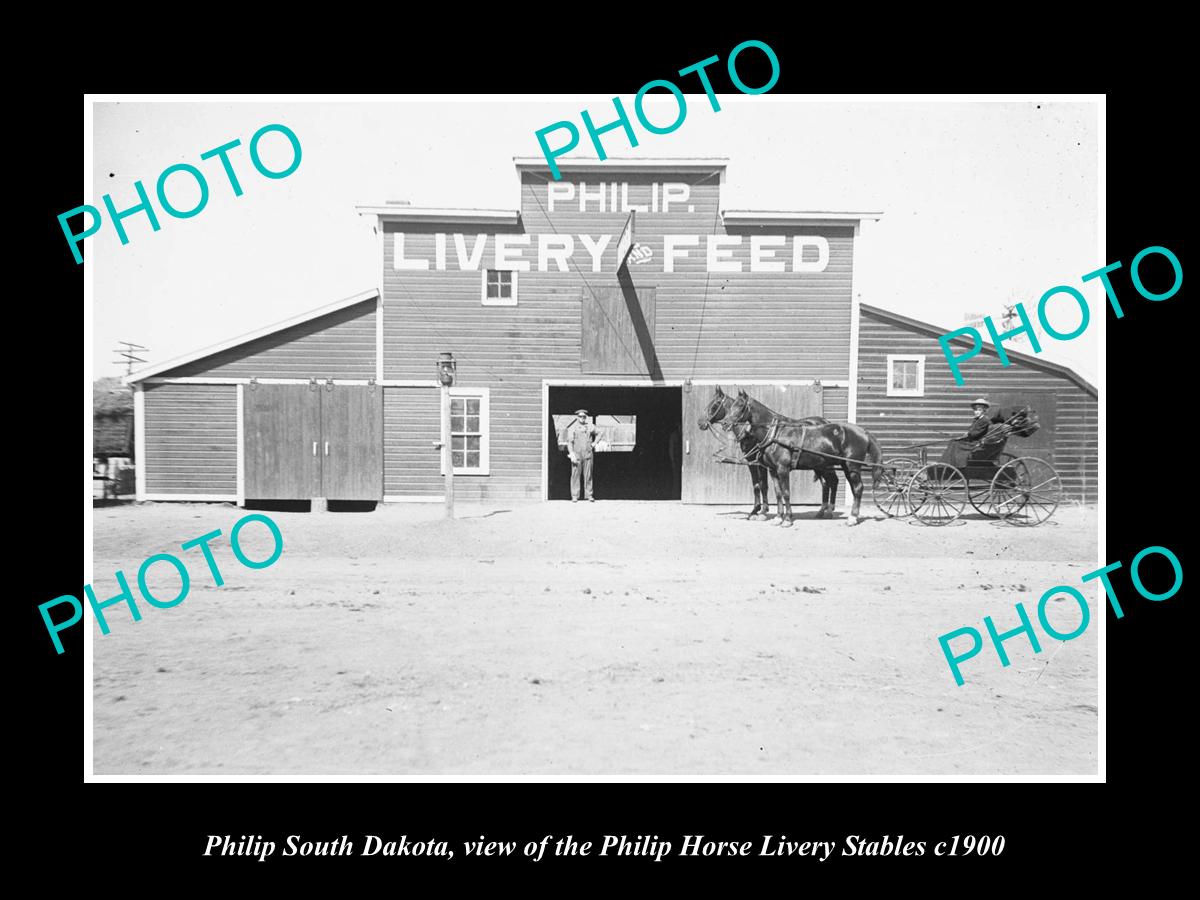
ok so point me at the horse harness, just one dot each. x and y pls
(771, 438)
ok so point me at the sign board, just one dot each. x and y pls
(625, 241)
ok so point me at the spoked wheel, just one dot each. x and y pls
(1026, 491)
(981, 499)
(890, 490)
(937, 494)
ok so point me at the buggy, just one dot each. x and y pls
(1021, 490)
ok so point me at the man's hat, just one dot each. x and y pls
(581, 412)
(979, 401)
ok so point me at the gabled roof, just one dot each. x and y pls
(628, 163)
(441, 215)
(938, 331)
(253, 335)
(785, 217)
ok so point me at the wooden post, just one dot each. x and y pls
(447, 455)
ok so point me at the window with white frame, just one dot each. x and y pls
(906, 376)
(469, 430)
(499, 287)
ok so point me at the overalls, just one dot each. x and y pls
(579, 442)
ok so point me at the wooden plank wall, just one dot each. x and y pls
(611, 343)
(899, 421)
(411, 423)
(338, 345)
(191, 439)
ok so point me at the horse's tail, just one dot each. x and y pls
(874, 457)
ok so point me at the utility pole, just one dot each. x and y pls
(129, 354)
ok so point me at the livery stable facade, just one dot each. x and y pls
(624, 288)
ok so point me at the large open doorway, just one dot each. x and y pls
(639, 448)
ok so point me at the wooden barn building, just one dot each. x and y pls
(624, 288)
(907, 395)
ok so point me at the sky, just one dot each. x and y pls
(983, 203)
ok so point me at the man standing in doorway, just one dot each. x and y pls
(578, 437)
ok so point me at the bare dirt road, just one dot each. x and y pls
(574, 640)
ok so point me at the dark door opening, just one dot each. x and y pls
(641, 457)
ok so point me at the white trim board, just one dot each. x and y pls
(393, 382)
(139, 441)
(787, 217)
(675, 382)
(203, 498)
(241, 445)
(394, 498)
(545, 436)
(855, 315)
(591, 163)
(379, 338)
(446, 215)
(251, 336)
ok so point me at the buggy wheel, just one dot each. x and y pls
(937, 494)
(1026, 491)
(890, 489)
(982, 499)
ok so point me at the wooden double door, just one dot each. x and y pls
(705, 480)
(304, 441)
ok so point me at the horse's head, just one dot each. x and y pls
(716, 410)
(1024, 422)
(739, 410)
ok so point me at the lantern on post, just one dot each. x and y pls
(446, 368)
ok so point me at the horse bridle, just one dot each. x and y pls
(772, 430)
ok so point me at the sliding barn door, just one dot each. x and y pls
(352, 442)
(705, 480)
(282, 433)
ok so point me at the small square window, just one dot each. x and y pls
(499, 287)
(905, 376)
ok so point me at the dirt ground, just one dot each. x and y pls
(574, 640)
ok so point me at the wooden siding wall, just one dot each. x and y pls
(338, 345)
(945, 408)
(191, 439)
(411, 424)
(836, 403)
(728, 326)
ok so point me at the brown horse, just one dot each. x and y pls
(784, 447)
(716, 412)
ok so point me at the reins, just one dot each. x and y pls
(771, 438)
(721, 454)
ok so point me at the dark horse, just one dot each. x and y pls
(716, 411)
(784, 447)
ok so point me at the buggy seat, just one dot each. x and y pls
(962, 452)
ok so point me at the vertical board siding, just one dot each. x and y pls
(945, 408)
(191, 439)
(612, 344)
(767, 326)
(705, 480)
(340, 344)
